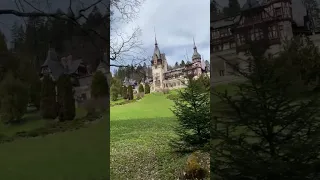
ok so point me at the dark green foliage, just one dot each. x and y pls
(182, 64)
(66, 99)
(130, 93)
(147, 88)
(269, 128)
(114, 90)
(99, 86)
(35, 92)
(192, 111)
(141, 88)
(3, 44)
(14, 99)
(124, 92)
(48, 105)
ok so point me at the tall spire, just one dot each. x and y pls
(156, 48)
(155, 36)
(196, 55)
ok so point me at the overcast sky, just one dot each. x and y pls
(176, 23)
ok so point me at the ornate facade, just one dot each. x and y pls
(267, 21)
(175, 78)
(78, 70)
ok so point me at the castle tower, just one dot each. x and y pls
(196, 56)
(159, 67)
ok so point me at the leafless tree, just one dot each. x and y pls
(122, 45)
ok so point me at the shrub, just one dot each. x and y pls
(194, 169)
(130, 93)
(48, 105)
(99, 86)
(66, 99)
(141, 89)
(114, 90)
(147, 88)
(14, 99)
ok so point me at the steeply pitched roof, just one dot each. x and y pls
(251, 4)
(57, 68)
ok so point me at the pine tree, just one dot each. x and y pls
(99, 86)
(66, 99)
(192, 111)
(114, 90)
(141, 88)
(3, 43)
(125, 92)
(130, 93)
(268, 128)
(48, 103)
(182, 64)
(147, 88)
(14, 99)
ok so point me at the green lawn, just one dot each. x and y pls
(140, 133)
(81, 154)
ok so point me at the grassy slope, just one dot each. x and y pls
(140, 133)
(80, 155)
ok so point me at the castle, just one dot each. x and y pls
(79, 71)
(163, 78)
(271, 21)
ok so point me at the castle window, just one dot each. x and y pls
(278, 12)
(272, 32)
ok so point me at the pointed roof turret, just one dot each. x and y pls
(195, 55)
(156, 48)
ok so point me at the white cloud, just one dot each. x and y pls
(176, 23)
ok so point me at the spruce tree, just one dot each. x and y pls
(48, 104)
(192, 109)
(114, 90)
(14, 99)
(147, 88)
(66, 99)
(141, 88)
(125, 92)
(269, 127)
(99, 86)
(130, 93)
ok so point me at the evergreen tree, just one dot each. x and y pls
(48, 103)
(176, 65)
(147, 88)
(99, 86)
(182, 64)
(130, 93)
(125, 92)
(114, 90)
(141, 88)
(268, 128)
(192, 111)
(3, 43)
(14, 99)
(66, 99)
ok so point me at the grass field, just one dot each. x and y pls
(140, 133)
(80, 154)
